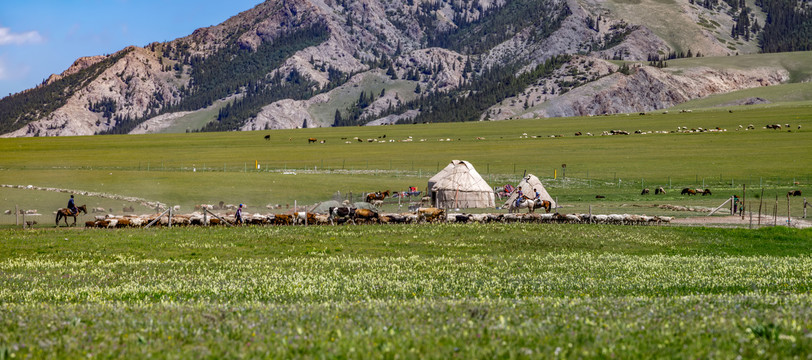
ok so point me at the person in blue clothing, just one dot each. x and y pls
(72, 206)
(519, 197)
(238, 215)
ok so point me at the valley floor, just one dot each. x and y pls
(419, 291)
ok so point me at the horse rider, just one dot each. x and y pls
(72, 206)
(538, 196)
(519, 197)
(238, 215)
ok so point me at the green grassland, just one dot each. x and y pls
(188, 169)
(442, 291)
(796, 63)
(347, 95)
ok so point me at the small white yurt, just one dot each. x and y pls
(459, 185)
(527, 185)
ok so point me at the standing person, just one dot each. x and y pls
(735, 204)
(238, 215)
(72, 206)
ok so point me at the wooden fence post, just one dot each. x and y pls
(775, 212)
(789, 218)
(760, 202)
(16, 215)
(744, 199)
(805, 204)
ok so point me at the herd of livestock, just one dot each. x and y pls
(347, 215)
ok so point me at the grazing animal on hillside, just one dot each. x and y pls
(128, 209)
(98, 210)
(311, 140)
(268, 137)
(688, 191)
(659, 191)
(377, 203)
(65, 213)
(794, 193)
(706, 192)
(600, 197)
(644, 192)
(377, 196)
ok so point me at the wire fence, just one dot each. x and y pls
(494, 173)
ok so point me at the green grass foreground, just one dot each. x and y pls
(442, 291)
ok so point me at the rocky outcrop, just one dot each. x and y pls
(78, 65)
(649, 88)
(132, 83)
(394, 118)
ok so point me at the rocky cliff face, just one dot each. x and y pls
(646, 88)
(422, 47)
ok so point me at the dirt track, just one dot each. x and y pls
(737, 221)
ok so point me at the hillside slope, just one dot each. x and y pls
(307, 63)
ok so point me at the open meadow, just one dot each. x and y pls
(512, 290)
(418, 291)
(190, 169)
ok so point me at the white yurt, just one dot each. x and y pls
(459, 185)
(527, 185)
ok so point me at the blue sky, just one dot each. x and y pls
(41, 37)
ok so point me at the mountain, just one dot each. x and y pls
(315, 63)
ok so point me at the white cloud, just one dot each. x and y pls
(2, 69)
(7, 37)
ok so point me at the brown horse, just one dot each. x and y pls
(63, 213)
(377, 196)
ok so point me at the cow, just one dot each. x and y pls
(341, 214)
(268, 137)
(303, 217)
(365, 215)
(794, 193)
(659, 190)
(311, 140)
(688, 191)
(430, 214)
(280, 219)
(706, 192)
(644, 192)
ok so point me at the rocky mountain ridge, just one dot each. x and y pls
(309, 63)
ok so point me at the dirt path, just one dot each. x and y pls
(737, 221)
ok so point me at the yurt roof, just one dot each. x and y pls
(459, 175)
(527, 185)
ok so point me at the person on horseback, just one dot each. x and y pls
(519, 197)
(538, 196)
(72, 206)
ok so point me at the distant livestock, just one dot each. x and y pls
(794, 193)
